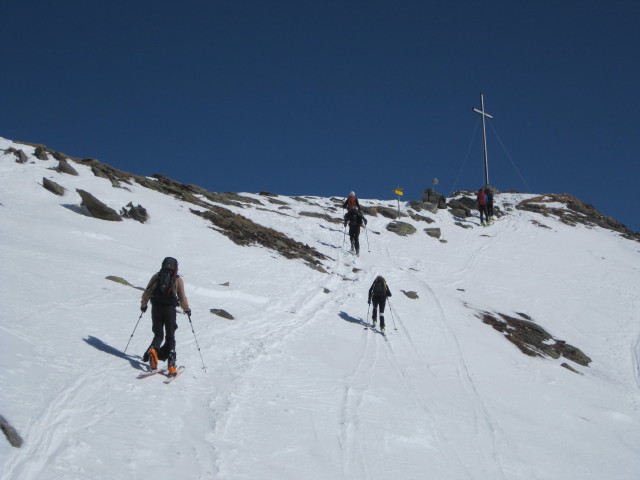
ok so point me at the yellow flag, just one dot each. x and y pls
(398, 191)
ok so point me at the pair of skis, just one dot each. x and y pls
(170, 378)
(380, 331)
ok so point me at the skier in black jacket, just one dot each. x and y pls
(379, 292)
(355, 219)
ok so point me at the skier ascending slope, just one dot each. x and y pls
(351, 202)
(481, 202)
(355, 219)
(378, 293)
(166, 291)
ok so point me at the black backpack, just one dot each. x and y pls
(164, 293)
(380, 287)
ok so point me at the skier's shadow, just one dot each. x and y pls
(103, 347)
(348, 318)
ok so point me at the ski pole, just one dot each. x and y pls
(391, 310)
(367, 317)
(367, 232)
(134, 331)
(344, 236)
(196, 339)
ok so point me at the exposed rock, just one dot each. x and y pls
(225, 284)
(401, 228)
(386, 212)
(275, 201)
(105, 171)
(268, 194)
(433, 232)
(428, 206)
(41, 152)
(463, 225)
(98, 209)
(21, 156)
(416, 205)
(540, 224)
(532, 339)
(52, 186)
(459, 212)
(432, 197)
(323, 216)
(326, 290)
(243, 231)
(11, 433)
(59, 155)
(64, 167)
(138, 213)
(410, 294)
(122, 281)
(421, 218)
(222, 313)
(574, 212)
(462, 204)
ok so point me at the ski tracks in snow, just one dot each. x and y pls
(52, 434)
(354, 458)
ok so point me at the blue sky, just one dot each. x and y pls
(322, 97)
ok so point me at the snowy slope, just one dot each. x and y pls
(296, 387)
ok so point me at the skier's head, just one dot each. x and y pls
(352, 194)
(170, 262)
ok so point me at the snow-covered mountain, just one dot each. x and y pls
(296, 386)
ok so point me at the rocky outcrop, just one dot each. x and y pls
(243, 231)
(21, 157)
(222, 313)
(11, 433)
(429, 196)
(97, 209)
(52, 186)
(574, 212)
(532, 339)
(41, 153)
(323, 216)
(401, 228)
(138, 213)
(410, 294)
(122, 281)
(64, 167)
(433, 232)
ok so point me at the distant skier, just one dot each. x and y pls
(351, 202)
(378, 293)
(482, 206)
(166, 291)
(489, 191)
(355, 219)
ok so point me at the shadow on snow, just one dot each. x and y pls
(103, 347)
(348, 318)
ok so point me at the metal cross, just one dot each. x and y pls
(484, 136)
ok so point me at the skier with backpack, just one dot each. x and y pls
(351, 202)
(355, 219)
(166, 292)
(489, 191)
(482, 206)
(378, 293)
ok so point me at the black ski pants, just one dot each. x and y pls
(164, 325)
(483, 210)
(379, 302)
(354, 234)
